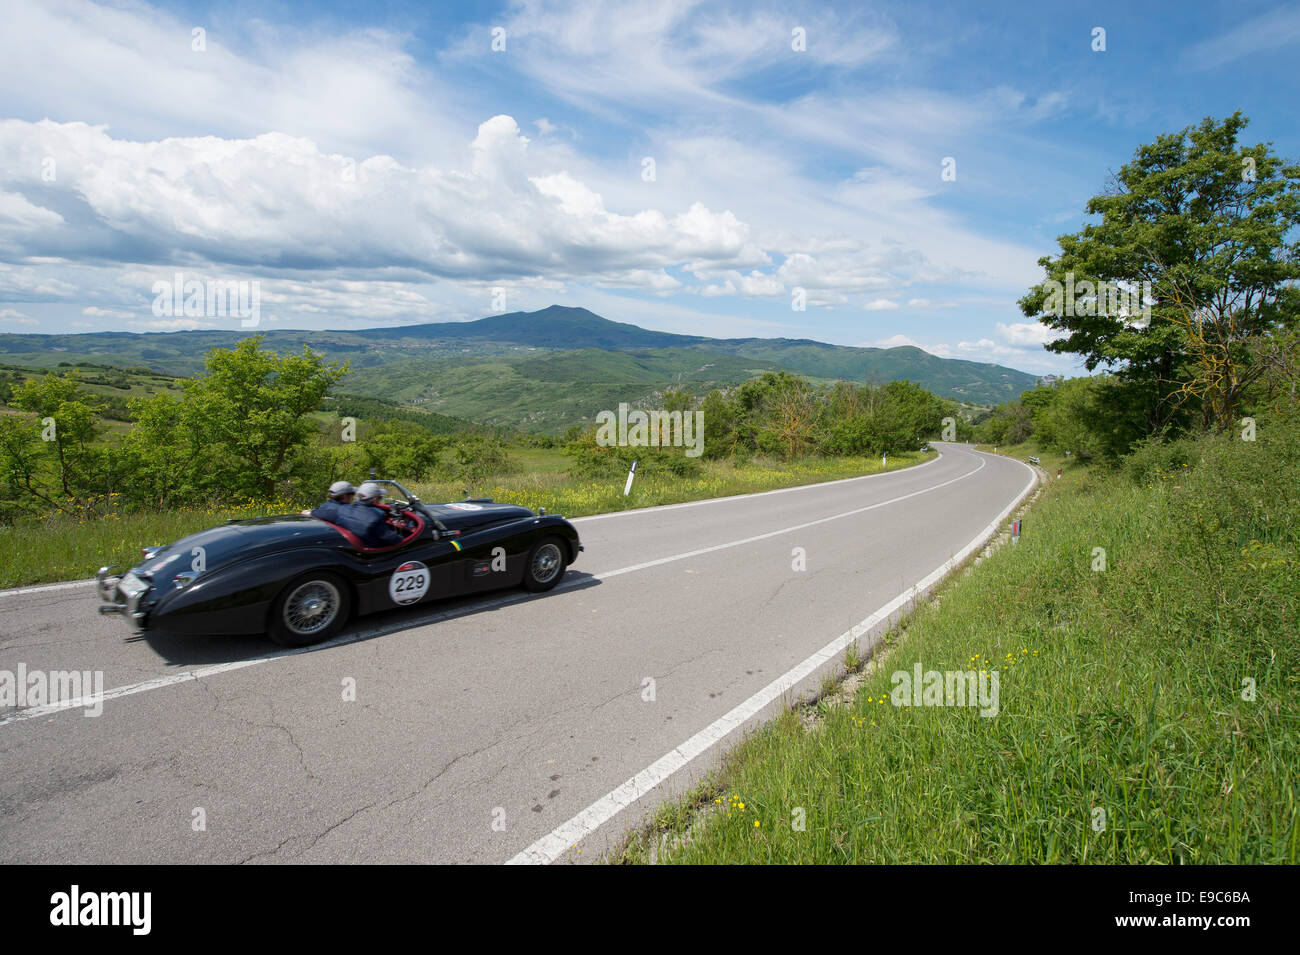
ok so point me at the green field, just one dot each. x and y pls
(1147, 713)
(61, 547)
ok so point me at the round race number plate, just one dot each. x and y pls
(409, 582)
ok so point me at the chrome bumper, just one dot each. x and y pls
(116, 602)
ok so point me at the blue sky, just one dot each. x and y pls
(379, 163)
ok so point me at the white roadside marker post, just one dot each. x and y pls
(627, 488)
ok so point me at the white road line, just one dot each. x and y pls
(187, 675)
(553, 845)
(66, 585)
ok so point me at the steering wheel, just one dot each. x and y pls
(399, 517)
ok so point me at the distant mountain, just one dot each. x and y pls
(562, 327)
(538, 370)
(557, 326)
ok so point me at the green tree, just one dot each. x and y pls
(1205, 222)
(240, 428)
(1010, 423)
(721, 421)
(779, 414)
(23, 469)
(68, 425)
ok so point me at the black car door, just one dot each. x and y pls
(421, 571)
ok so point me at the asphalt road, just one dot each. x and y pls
(486, 730)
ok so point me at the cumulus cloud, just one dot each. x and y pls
(277, 198)
(754, 285)
(1027, 334)
(10, 316)
(841, 272)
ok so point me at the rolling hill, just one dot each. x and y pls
(540, 371)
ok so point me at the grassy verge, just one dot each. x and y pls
(65, 548)
(1147, 711)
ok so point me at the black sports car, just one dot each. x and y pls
(299, 578)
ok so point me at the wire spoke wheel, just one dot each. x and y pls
(311, 607)
(547, 562)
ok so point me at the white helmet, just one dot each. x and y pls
(370, 490)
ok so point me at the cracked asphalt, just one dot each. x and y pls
(478, 725)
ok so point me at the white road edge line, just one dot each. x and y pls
(185, 676)
(553, 845)
(65, 585)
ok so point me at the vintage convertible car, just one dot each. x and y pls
(299, 578)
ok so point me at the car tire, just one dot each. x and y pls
(310, 609)
(545, 565)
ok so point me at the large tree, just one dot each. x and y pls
(1208, 225)
(68, 424)
(239, 428)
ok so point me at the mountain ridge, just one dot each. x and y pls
(419, 363)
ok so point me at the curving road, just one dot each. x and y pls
(506, 728)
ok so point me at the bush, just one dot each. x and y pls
(1159, 455)
(590, 460)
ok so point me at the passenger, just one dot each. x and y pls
(367, 520)
(341, 494)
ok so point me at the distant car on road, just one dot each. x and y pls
(299, 579)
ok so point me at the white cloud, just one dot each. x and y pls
(94, 311)
(634, 53)
(880, 305)
(1261, 34)
(841, 272)
(277, 198)
(173, 324)
(133, 65)
(9, 316)
(652, 280)
(754, 285)
(1027, 334)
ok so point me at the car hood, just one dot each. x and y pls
(468, 515)
(220, 545)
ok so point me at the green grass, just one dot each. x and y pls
(546, 485)
(61, 547)
(1121, 691)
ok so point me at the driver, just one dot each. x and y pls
(340, 500)
(367, 520)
